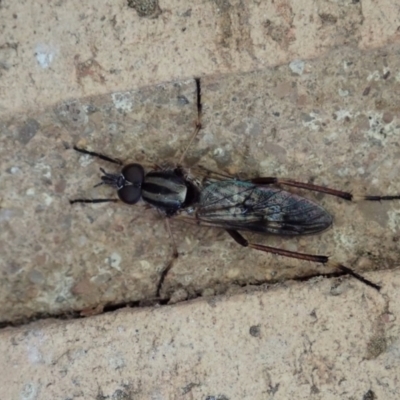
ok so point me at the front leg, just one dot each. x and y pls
(98, 155)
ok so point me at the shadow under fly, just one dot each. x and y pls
(217, 200)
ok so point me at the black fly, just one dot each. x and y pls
(216, 200)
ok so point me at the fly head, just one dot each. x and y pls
(128, 183)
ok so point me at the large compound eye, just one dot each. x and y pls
(130, 194)
(134, 174)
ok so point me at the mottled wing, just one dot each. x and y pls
(239, 205)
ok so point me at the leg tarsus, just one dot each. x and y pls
(382, 198)
(271, 180)
(302, 256)
(349, 271)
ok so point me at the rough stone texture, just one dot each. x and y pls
(55, 50)
(311, 93)
(317, 125)
(312, 342)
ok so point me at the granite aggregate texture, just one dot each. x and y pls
(318, 127)
(306, 90)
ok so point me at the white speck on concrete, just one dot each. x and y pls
(6, 214)
(44, 55)
(219, 152)
(47, 199)
(297, 67)
(343, 93)
(62, 287)
(343, 172)
(114, 261)
(30, 192)
(342, 114)
(208, 138)
(117, 362)
(44, 169)
(85, 160)
(333, 136)
(15, 170)
(34, 355)
(145, 264)
(394, 220)
(374, 76)
(121, 329)
(82, 240)
(96, 249)
(347, 240)
(380, 130)
(122, 101)
(29, 392)
(314, 123)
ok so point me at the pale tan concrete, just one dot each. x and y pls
(295, 341)
(52, 50)
(321, 102)
(306, 120)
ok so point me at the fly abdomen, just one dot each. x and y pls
(165, 190)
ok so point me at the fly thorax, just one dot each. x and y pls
(165, 190)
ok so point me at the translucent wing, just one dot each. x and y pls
(235, 204)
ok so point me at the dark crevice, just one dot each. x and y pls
(151, 302)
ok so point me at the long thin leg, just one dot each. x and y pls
(210, 173)
(171, 262)
(93, 201)
(314, 258)
(102, 157)
(198, 121)
(98, 155)
(321, 189)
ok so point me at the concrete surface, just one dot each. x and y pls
(311, 94)
(295, 341)
(316, 125)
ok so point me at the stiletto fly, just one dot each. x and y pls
(221, 201)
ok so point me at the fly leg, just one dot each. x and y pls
(170, 264)
(198, 120)
(316, 188)
(302, 256)
(93, 201)
(209, 173)
(98, 155)
(102, 157)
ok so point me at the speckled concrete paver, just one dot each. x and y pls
(332, 122)
(298, 341)
(52, 50)
(307, 90)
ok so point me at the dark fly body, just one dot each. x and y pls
(247, 206)
(216, 200)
